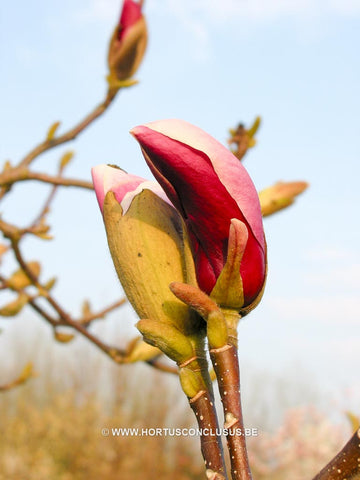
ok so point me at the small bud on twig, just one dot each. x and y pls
(128, 44)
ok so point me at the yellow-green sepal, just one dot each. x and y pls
(146, 246)
(228, 290)
(167, 338)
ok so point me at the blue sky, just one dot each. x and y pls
(295, 63)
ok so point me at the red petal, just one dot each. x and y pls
(193, 186)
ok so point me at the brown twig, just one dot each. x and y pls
(241, 141)
(203, 407)
(64, 319)
(72, 133)
(201, 400)
(163, 367)
(226, 366)
(32, 302)
(243, 138)
(346, 464)
(21, 173)
(25, 375)
(95, 316)
(45, 208)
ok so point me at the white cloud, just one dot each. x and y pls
(328, 253)
(331, 310)
(334, 268)
(345, 7)
(341, 278)
(198, 16)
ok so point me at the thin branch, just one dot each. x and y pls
(24, 376)
(64, 319)
(72, 133)
(53, 322)
(20, 174)
(197, 385)
(203, 407)
(95, 316)
(45, 208)
(346, 464)
(226, 366)
(163, 367)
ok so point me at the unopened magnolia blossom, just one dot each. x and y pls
(149, 251)
(209, 187)
(128, 42)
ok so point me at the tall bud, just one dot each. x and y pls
(147, 244)
(128, 43)
(212, 192)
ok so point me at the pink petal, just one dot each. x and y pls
(130, 14)
(209, 187)
(230, 171)
(124, 185)
(145, 185)
(106, 178)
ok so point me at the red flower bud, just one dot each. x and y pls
(128, 42)
(209, 187)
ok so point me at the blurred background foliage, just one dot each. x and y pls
(51, 426)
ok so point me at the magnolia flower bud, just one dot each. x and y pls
(148, 247)
(128, 43)
(214, 195)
